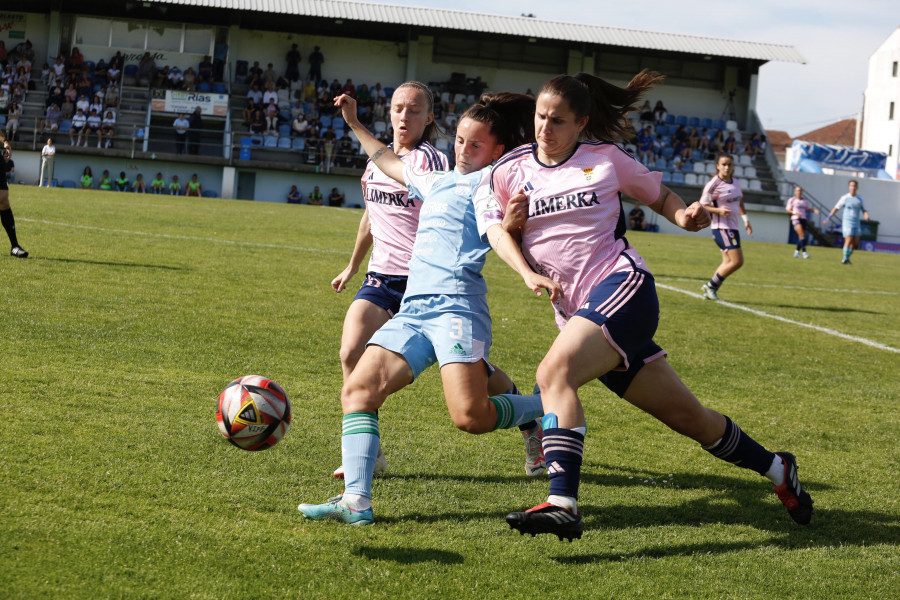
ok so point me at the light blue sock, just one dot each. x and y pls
(513, 410)
(359, 447)
(847, 252)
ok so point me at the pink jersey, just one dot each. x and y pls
(393, 214)
(575, 227)
(799, 208)
(720, 194)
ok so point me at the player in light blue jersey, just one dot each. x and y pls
(444, 316)
(850, 224)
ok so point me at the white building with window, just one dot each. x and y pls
(881, 109)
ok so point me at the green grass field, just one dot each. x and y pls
(134, 311)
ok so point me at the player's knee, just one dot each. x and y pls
(473, 418)
(358, 395)
(350, 355)
(551, 374)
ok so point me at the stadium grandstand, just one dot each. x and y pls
(144, 63)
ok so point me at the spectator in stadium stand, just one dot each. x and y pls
(315, 197)
(271, 111)
(660, 113)
(316, 60)
(294, 196)
(181, 126)
(75, 61)
(730, 143)
(83, 103)
(645, 145)
(345, 150)
(51, 118)
(48, 154)
(270, 94)
(112, 97)
(269, 75)
(162, 78)
(309, 91)
(751, 146)
(364, 96)
(79, 125)
(205, 70)
(59, 71)
(94, 123)
(47, 77)
(254, 74)
(379, 110)
(703, 140)
(190, 80)
(139, 186)
(329, 138)
(325, 101)
(56, 96)
(176, 78)
(335, 198)
(257, 122)
(247, 113)
(87, 178)
(636, 218)
(292, 58)
(146, 70)
(717, 143)
(96, 105)
(296, 109)
(658, 146)
(349, 89)
(300, 125)
(100, 73)
(195, 123)
(114, 73)
(67, 109)
(255, 93)
(313, 144)
(108, 128)
(193, 187)
(646, 112)
(122, 182)
(71, 93)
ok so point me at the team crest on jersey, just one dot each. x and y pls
(588, 175)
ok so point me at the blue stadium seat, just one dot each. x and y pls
(131, 70)
(271, 141)
(284, 143)
(203, 87)
(89, 64)
(694, 122)
(210, 194)
(696, 155)
(660, 164)
(388, 92)
(299, 143)
(325, 121)
(719, 124)
(284, 130)
(68, 183)
(256, 140)
(668, 152)
(64, 126)
(666, 177)
(667, 140)
(706, 122)
(661, 130)
(219, 88)
(681, 120)
(687, 167)
(337, 122)
(339, 133)
(670, 119)
(2, 120)
(677, 177)
(246, 142)
(139, 133)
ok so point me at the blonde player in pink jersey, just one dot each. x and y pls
(798, 207)
(564, 193)
(388, 227)
(723, 198)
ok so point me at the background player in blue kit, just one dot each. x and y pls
(850, 224)
(444, 316)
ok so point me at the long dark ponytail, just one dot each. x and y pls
(603, 103)
(510, 116)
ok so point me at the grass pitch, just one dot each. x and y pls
(134, 311)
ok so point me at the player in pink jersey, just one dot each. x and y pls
(723, 198)
(564, 193)
(388, 227)
(798, 207)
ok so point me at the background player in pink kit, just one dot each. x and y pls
(564, 191)
(723, 198)
(798, 207)
(388, 226)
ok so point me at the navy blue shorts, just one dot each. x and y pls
(626, 308)
(727, 239)
(385, 291)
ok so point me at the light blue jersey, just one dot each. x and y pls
(448, 255)
(853, 209)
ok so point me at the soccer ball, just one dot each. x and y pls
(254, 413)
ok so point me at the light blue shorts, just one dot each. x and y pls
(442, 329)
(849, 229)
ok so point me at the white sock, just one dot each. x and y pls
(776, 471)
(356, 502)
(566, 502)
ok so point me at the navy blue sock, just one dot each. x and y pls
(716, 281)
(563, 451)
(740, 449)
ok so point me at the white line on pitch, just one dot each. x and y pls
(186, 237)
(788, 287)
(760, 313)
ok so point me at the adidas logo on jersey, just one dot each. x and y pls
(457, 349)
